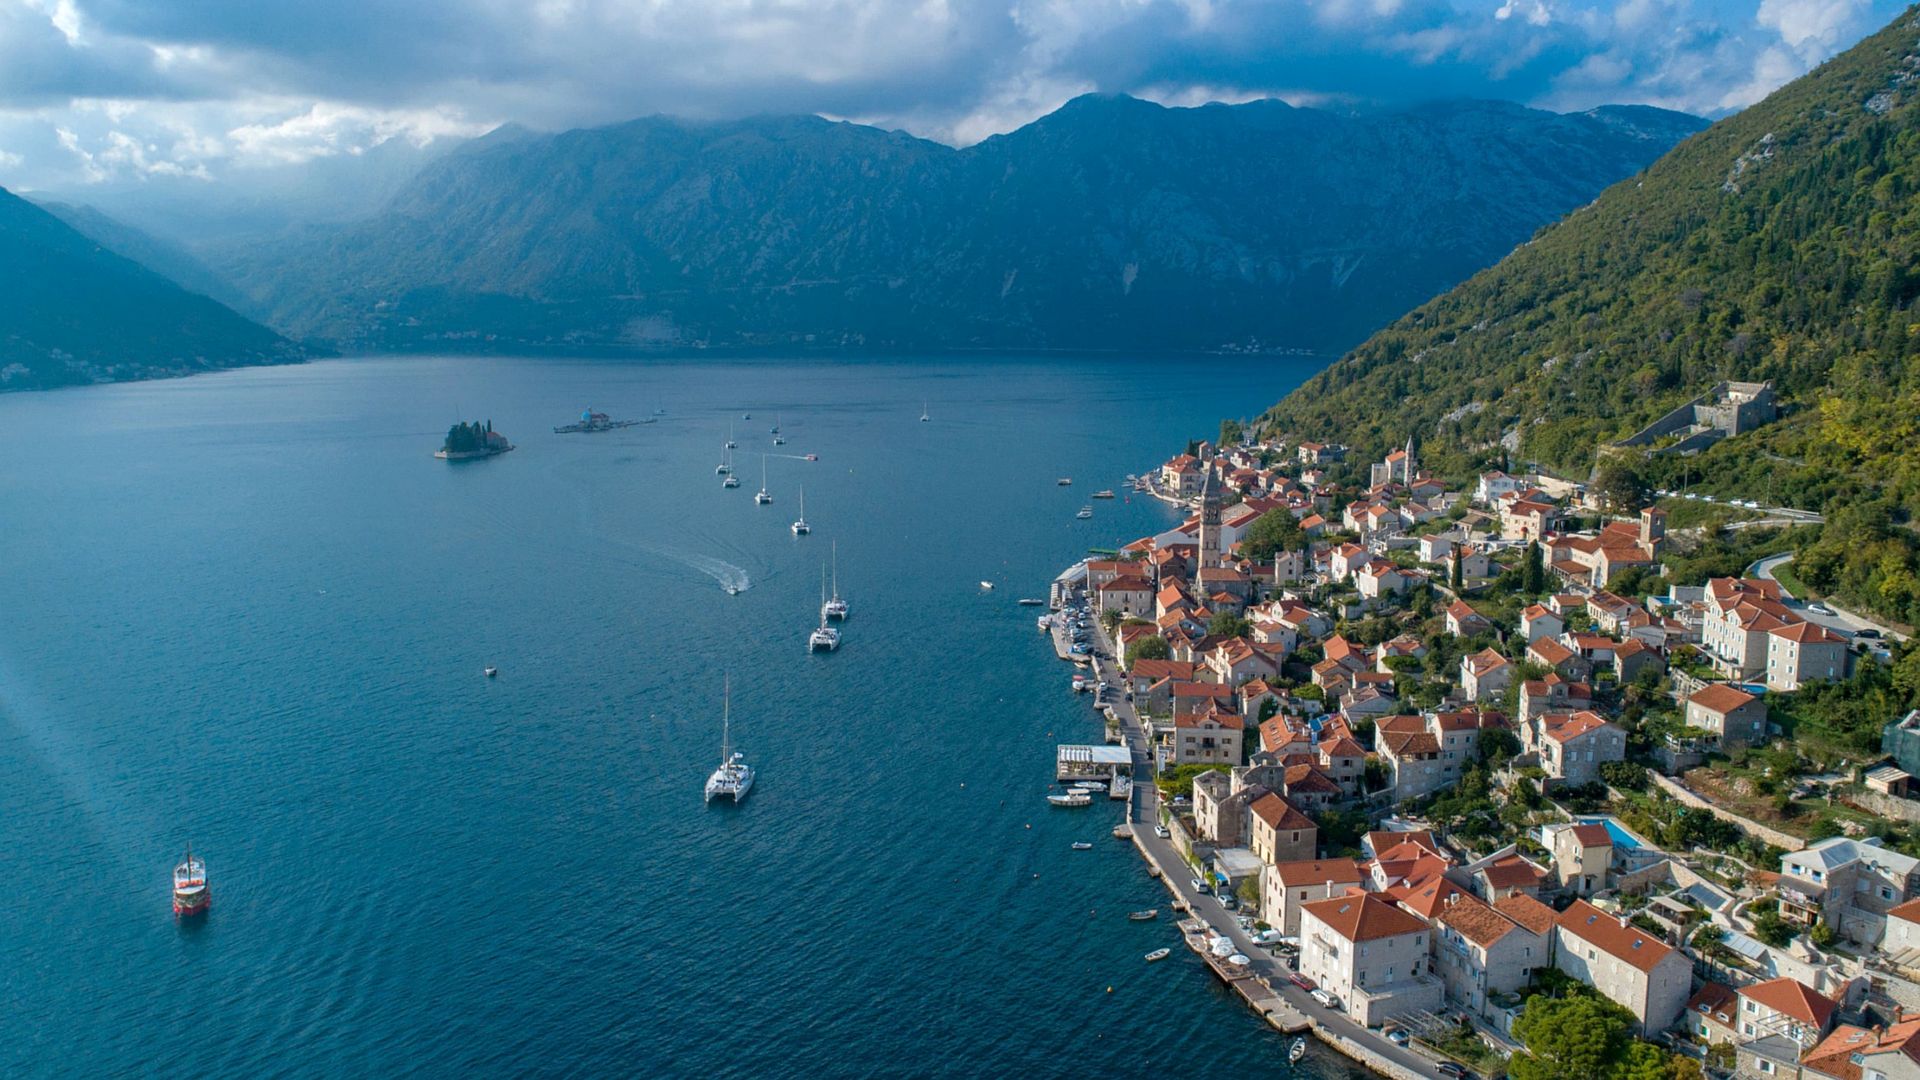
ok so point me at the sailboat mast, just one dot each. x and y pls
(835, 548)
(726, 719)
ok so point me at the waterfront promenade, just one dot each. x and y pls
(1268, 987)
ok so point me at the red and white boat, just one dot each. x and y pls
(190, 895)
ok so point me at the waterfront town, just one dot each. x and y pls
(1507, 773)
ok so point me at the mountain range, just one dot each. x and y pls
(79, 313)
(1112, 223)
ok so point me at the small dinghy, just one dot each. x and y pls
(1082, 845)
(1159, 954)
(1297, 1051)
(1144, 916)
(492, 671)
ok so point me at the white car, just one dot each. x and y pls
(1326, 999)
(1162, 832)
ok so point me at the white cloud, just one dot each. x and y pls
(1815, 29)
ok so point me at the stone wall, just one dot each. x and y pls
(1752, 827)
(1892, 806)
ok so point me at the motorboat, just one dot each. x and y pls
(1105, 493)
(1065, 481)
(986, 584)
(733, 590)
(1082, 845)
(734, 778)
(1148, 915)
(1085, 512)
(1028, 601)
(1071, 798)
(490, 672)
(1159, 954)
(813, 457)
(1297, 1051)
(1090, 785)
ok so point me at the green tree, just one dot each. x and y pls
(1271, 533)
(1456, 574)
(1228, 624)
(1533, 574)
(1148, 648)
(1579, 1037)
(1618, 485)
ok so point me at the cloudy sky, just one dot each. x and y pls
(109, 91)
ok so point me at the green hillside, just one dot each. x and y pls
(1778, 244)
(76, 313)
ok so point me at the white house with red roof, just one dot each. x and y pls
(1625, 964)
(1786, 1008)
(1485, 674)
(1574, 746)
(1286, 887)
(1733, 716)
(1582, 856)
(1371, 955)
(1804, 652)
(1211, 737)
(1479, 951)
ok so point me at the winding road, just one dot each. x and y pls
(1844, 621)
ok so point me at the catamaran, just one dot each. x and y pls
(734, 778)
(835, 608)
(730, 443)
(761, 497)
(923, 411)
(190, 895)
(800, 526)
(726, 469)
(824, 638)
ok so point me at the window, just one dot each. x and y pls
(1766, 1067)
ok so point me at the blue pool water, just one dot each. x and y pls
(250, 611)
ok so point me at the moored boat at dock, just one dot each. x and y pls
(1071, 798)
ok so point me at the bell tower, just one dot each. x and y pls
(1210, 553)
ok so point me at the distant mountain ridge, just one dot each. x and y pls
(77, 313)
(1112, 223)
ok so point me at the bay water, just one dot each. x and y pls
(249, 611)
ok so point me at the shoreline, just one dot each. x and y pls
(1285, 1006)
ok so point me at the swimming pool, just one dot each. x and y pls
(1621, 837)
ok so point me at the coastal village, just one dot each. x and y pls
(1440, 769)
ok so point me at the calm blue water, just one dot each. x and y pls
(250, 611)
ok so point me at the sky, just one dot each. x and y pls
(105, 92)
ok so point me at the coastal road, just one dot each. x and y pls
(1143, 813)
(1841, 620)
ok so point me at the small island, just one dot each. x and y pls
(476, 440)
(591, 422)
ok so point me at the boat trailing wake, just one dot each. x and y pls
(731, 578)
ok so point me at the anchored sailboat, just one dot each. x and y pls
(800, 526)
(923, 411)
(835, 608)
(734, 778)
(824, 638)
(762, 497)
(726, 469)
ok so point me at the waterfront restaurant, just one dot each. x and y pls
(1091, 762)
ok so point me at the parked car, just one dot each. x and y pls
(1399, 1037)
(1161, 832)
(1197, 884)
(1325, 999)
(1869, 633)
(1819, 608)
(1300, 981)
(1453, 1069)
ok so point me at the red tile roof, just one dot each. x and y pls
(1363, 918)
(1528, 912)
(1720, 698)
(1792, 998)
(1606, 933)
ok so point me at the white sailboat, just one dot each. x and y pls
(824, 638)
(762, 497)
(923, 411)
(730, 442)
(726, 469)
(734, 778)
(800, 526)
(835, 608)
